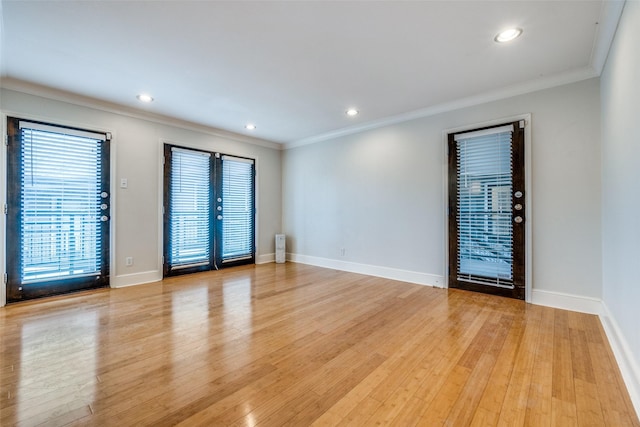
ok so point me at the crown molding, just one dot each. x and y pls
(17, 85)
(507, 92)
(610, 14)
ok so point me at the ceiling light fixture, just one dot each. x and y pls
(250, 126)
(143, 97)
(352, 112)
(508, 35)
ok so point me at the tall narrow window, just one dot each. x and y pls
(237, 208)
(209, 210)
(484, 207)
(190, 207)
(58, 209)
(486, 210)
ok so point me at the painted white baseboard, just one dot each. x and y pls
(156, 275)
(371, 270)
(265, 259)
(136, 279)
(566, 301)
(624, 356)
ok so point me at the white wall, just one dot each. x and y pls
(620, 91)
(136, 151)
(2, 163)
(379, 193)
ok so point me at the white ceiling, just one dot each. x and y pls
(294, 67)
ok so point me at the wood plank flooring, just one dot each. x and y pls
(278, 345)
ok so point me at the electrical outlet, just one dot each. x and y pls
(343, 251)
(128, 261)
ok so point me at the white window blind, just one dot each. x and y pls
(60, 203)
(485, 231)
(190, 208)
(237, 204)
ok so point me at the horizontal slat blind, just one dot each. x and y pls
(190, 208)
(485, 232)
(237, 203)
(60, 203)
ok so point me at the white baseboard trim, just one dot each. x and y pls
(624, 356)
(371, 270)
(566, 301)
(135, 279)
(265, 259)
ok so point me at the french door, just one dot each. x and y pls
(487, 210)
(209, 210)
(57, 209)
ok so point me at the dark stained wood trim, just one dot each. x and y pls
(105, 179)
(166, 191)
(15, 291)
(13, 225)
(215, 233)
(519, 229)
(166, 267)
(452, 210)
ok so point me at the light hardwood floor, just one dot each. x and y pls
(276, 345)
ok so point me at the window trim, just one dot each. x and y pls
(163, 206)
(478, 279)
(167, 270)
(528, 198)
(219, 225)
(61, 286)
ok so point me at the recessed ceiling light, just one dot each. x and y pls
(250, 126)
(352, 112)
(143, 97)
(508, 35)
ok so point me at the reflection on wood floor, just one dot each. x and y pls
(275, 345)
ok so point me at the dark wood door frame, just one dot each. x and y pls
(215, 233)
(14, 289)
(522, 232)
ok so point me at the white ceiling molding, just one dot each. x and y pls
(231, 63)
(508, 92)
(607, 26)
(75, 99)
(610, 14)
